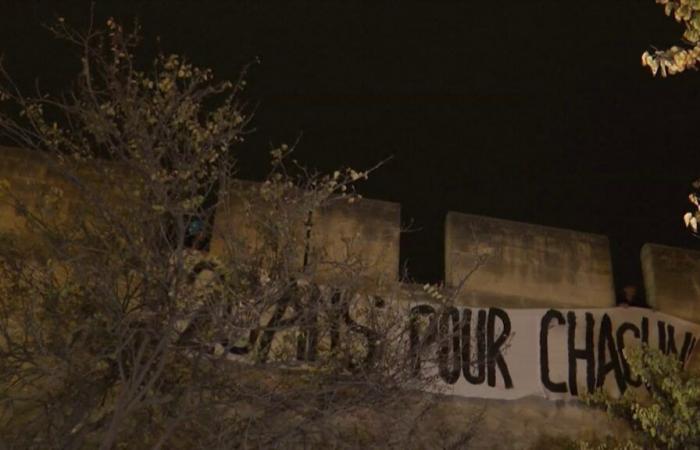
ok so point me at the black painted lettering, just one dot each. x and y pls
(371, 337)
(620, 335)
(645, 331)
(671, 340)
(467, 360)
(690, 350)
(334, 319)
(494, 347)
(661, 327)
(687, 347)
(417, 344)
(544, 351)
(275, 323)
(587, 353)
(307, 339)
(606, 345)
(448, 332)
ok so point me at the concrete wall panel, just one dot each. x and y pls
(526, 265)
(672, 280)
(364, 234)
(367, 232)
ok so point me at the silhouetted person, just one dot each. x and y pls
(630, 297)
(195, 237)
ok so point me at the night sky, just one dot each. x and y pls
(534, 111)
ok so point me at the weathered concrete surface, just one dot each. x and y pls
(518, 424)
(363, 235)
(672, 280)
(23, 170)
(232, 223)
(30, 174)
(526, 265)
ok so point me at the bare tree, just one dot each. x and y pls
(119, 330)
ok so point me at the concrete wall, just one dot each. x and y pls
(21, 169)
(363, 234)
(526, 265)
(30, 173)
(232, 224)
(672, 280)
(369, 229)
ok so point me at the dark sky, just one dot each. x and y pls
(535, 111)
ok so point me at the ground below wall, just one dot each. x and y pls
(518, 424)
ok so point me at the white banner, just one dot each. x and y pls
(554, 353)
